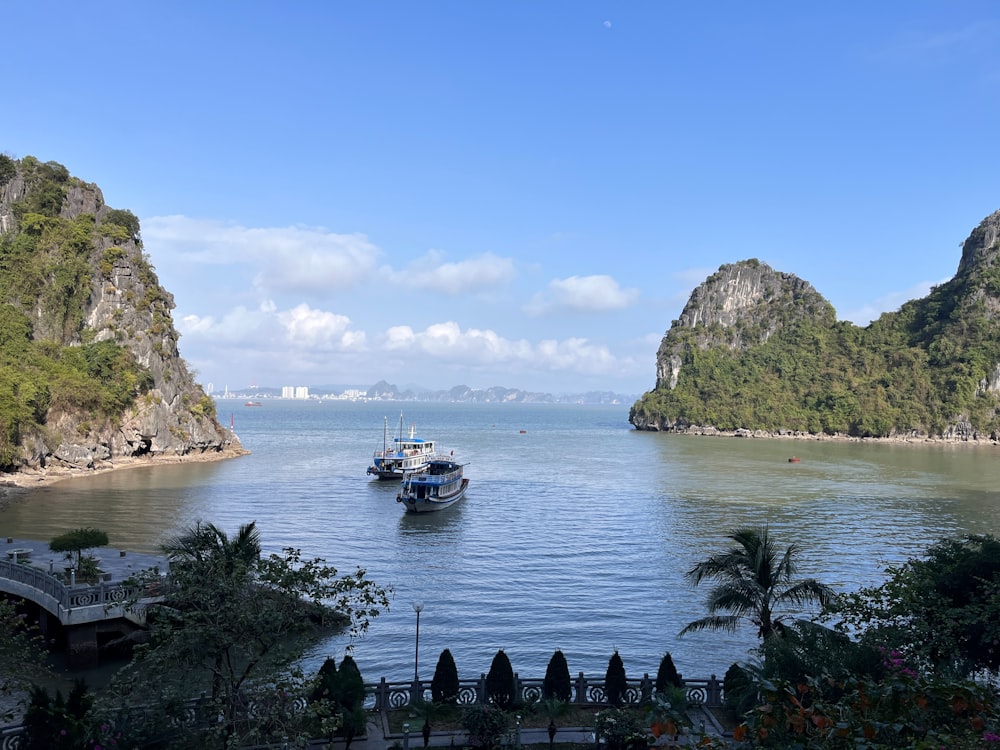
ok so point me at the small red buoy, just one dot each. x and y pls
(793, 460)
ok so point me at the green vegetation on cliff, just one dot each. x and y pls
(49, 359)
(930, 368)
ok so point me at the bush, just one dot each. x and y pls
(500, 688)
(615, 682)
(557, 682)
(485, 725)
(618, 727)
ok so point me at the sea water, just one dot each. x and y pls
(575, 534)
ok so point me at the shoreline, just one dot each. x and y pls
(791, 435)
(28, 479)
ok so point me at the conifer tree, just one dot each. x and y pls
(557, 682)
(500, 688)
(615, 682)
(667, 675)
(444, 686)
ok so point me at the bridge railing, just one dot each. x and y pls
(387, 696)
(66, 597)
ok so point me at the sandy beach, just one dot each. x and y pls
(13, 482)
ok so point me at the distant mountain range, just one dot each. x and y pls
(385, 391)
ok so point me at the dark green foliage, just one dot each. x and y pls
(500, 688)
(47, 269)
(809, 650)
(79, 540)
(52, 723)
(444, 685)
(557, 683)
(941, 611)
(344, 692)
(918, 370)
(232, 623)
(754, 580)
(739, 690)
(667, 674)
(7, 169)
(124, 219)
(485, 725)
(615, 681)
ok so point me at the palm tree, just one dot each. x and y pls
(753, 578)
(205, 544)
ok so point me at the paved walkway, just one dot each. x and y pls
(121, 564)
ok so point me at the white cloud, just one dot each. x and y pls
(447, 342)
(582, 293)
(890, 302)
(453, 278)
(298, 259)
(306, 328)
(301, 328)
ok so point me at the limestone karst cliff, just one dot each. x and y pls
(91, 369)
(759, 350)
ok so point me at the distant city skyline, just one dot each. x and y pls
(516, 194)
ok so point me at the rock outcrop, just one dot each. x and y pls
(123, 302)
(757, 351)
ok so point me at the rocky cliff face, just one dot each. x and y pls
(741, 305)
(126, 304)
(757, 351)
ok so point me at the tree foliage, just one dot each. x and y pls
(232, 619)
(48, 357)
(615, 680)
(444, 684)
(667, 675)
(500, 688)
(22, 659)
(919, 370)
(754, 579)
(79, 540)
(942, 611)
(557, 683)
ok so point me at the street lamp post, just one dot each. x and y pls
(417, 607)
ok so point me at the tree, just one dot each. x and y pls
(667, 675)
(232, 622)
(77, 541)
(615, 681)
(21, 659)
(941, 611)
(557, 682)
(754, 578)
(444, 685)
(500, 689)
(343, 693)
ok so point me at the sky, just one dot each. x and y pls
(518, 194)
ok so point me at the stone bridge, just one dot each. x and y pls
(79, 614)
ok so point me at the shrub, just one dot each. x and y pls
(500, 688)
(557, 682)
(485, 725)
(618, 728)
(615, 682)
(444, 685)
(667, 674)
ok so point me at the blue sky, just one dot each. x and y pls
(508, 193)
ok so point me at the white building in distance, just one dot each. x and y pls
(294, 391)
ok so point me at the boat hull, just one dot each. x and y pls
(429, 504)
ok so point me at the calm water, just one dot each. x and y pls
(574, 534)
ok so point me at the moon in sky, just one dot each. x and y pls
(607, 24)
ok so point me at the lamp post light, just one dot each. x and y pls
(417, 693)
(417, 606)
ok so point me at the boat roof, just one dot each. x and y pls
(410, 440)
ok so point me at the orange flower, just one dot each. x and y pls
(740, 733)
